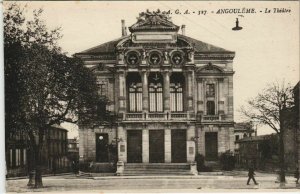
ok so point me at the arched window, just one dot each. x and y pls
(135, 90)
(176, 92)
(155, 92)
(210, 108)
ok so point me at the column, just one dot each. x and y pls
(166, 91)
(145, 146)
(122, 91)
(145, 91)
(167, 145)
(122, 148)
(189, 87)
(191, 148)
(220, 96)
(200, 95)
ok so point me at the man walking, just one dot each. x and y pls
(251, 176)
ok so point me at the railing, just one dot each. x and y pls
(173, 116)
(211, 117)
(134, 116)
(179, 116)
(159, 116)
(156, 116)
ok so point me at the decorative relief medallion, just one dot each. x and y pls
(177, 57)
(133, 58)
(155, 57)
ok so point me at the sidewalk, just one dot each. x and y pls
(153, 184)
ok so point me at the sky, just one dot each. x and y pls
(267, 48)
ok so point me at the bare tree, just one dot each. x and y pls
(267, 108)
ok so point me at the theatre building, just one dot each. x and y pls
(173, 96)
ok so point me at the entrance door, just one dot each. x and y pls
(134, 146)
(178, 145)
(101, 147)
(156, 146)
(211, 146)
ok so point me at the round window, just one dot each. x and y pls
(155, 58)
(132, 58)
(177, 58)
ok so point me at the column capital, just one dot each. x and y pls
(144, 71)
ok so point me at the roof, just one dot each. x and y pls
(58, 127)
(199, 46)
(256, 138)
(107, 47)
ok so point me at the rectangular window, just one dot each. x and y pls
(237, 137)
(24, 157)
(11, 157)
(210, 106)
(176, 98)
(210, 90)
(18, 157)
(135, 97)
(102, 85)
(156, 97)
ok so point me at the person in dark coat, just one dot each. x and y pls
(251, 176)
(297, 175)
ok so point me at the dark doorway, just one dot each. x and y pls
(156, 146)
(102, 147)
(211, 146)
(178, 145)
(134, 146)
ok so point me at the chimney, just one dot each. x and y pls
(183, 29)
(124, 33)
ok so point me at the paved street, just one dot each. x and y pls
(233, 181)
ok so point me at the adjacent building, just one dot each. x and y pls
(54, 156)
(291, 132)
(173, 96)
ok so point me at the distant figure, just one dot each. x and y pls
(251, 176)
(74, 167)
(297, 175)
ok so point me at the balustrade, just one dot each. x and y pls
(159, 116)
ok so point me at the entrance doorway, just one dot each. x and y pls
(178, 146)
(156, 146)
(134, 146)
(101, 147)
(211, 146)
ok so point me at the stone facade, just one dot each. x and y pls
(161, 82)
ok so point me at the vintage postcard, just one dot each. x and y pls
(151, 96)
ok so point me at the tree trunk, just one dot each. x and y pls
(38, 168)
(31, 166)
(38, 177)
(281, 158)
(35, 173)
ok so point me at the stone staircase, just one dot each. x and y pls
(155, 169)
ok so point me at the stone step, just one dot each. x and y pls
(138, 169)
(157, 166)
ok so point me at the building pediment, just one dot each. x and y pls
(153, 21)
(210, 68)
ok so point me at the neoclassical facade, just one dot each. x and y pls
(173, 95)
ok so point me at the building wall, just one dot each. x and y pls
(54, 155)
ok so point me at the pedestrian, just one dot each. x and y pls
(73, 167)
(297, 175)
(251, 176)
